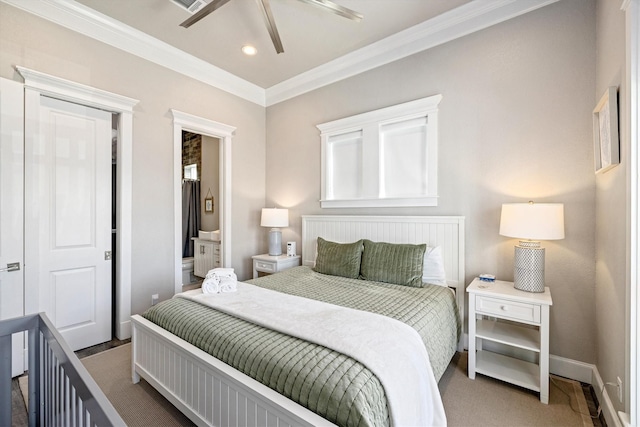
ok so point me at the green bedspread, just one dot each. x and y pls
(333, 385)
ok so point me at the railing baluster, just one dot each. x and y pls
(35, 355)
(5, 380)
(61, 391)
(47, 390)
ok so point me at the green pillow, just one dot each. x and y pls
(339, 259)
(400, 264)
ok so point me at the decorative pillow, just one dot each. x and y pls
(433, 269)
(339, 259)
(400, 264)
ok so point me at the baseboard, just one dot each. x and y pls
(608, 410)
(624, 419)
(123, 330)
(573, 369)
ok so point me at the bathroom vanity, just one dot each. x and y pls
(206, 256)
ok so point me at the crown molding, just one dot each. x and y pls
(473, 16)
(469, 18)
(84, 20)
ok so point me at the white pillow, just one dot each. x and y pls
(433, 267)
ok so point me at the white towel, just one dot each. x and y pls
(228, 284)
(220, 280)
(211, 285)
(221, 272)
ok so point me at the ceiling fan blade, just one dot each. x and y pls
(271, 25)
(215, 4)
(336, 8)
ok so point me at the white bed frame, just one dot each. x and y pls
(211, 392)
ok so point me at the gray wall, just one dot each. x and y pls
(611, 211)
(210, 181)
(46, 47)
(514, 124)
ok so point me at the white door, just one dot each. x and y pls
(68, 218)
(11, 211)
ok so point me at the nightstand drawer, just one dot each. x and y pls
(508, 309)
(266, 267)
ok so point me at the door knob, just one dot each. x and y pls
(13, 266)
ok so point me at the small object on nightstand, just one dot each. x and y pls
(487, 277)
(291, 248)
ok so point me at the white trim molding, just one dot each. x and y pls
(364, 157)
(469, 18)
(606, 404)
(84, 20)
(188, 122)
(631, 416)
(67, 90)
(473, 16)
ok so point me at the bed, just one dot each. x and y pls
(212, 392)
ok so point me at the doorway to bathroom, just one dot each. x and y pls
(200, 210)
(209, 130)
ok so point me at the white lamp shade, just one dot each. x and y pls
(532, 221)
(272, 217)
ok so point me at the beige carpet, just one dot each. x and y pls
(138, 404)
(488, 402)
(479, 402)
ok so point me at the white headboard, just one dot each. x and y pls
(444, 231)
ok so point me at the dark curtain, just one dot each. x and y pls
(190, 215)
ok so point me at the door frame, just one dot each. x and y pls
(188, 122)
(37, 84)
(632, 392)
(12, 195)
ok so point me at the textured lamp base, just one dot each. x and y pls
(275, 242)
(528, 268)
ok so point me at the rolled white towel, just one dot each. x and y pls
(221, 272)
(211, 285)
(228, 284)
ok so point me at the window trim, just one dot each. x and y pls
(364, 123)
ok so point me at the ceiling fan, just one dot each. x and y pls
(265, 8)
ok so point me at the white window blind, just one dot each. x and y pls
(386, 157)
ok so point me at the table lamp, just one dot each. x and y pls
(531, 222)
(275, 218)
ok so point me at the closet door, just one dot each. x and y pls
(68, 217)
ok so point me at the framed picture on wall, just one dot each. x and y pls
(606, 143)
(208, 203)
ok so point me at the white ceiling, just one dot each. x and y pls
(320, 47)
(310, 35)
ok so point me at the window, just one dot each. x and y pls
(386, 157)
(191, 171)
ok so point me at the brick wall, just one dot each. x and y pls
(191, 151)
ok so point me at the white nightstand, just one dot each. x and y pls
(502, 301)
(272, 264)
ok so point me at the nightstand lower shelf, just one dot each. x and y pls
(509, 334)
(515, 371)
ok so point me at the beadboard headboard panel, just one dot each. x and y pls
(444, 231)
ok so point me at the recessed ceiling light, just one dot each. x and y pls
(249, 50)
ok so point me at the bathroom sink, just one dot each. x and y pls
(209, 235)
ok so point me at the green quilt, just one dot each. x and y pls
(334, 386)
